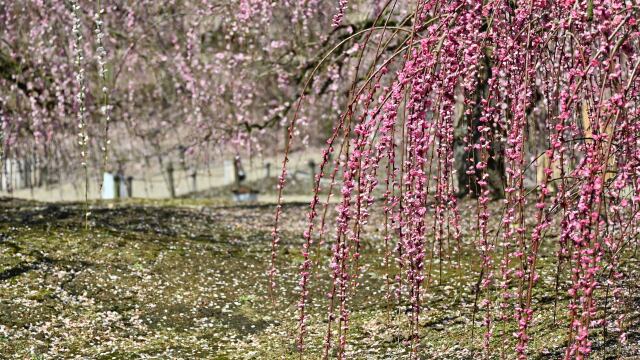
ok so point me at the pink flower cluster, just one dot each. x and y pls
(549, 83)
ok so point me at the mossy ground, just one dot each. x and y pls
(187, 279)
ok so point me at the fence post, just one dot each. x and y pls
(130, 186)
(172, 188)
(312, 169)
(267, 169)
(238, 170)
(117, 180)
(194, 184)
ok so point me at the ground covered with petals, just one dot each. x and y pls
(187, 279)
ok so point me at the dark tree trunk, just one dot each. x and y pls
(467, 158)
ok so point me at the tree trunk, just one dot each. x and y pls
(467, 125)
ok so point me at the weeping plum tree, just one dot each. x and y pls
(507, 86)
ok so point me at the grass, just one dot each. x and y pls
(186, 279)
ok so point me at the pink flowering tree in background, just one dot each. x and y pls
(166, 78)
(466, 97)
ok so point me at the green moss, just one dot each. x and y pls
(186, 279)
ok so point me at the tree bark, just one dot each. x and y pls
(467, 125)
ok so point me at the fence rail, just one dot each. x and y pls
(156, 184)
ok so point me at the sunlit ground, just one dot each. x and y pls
(187, 279)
